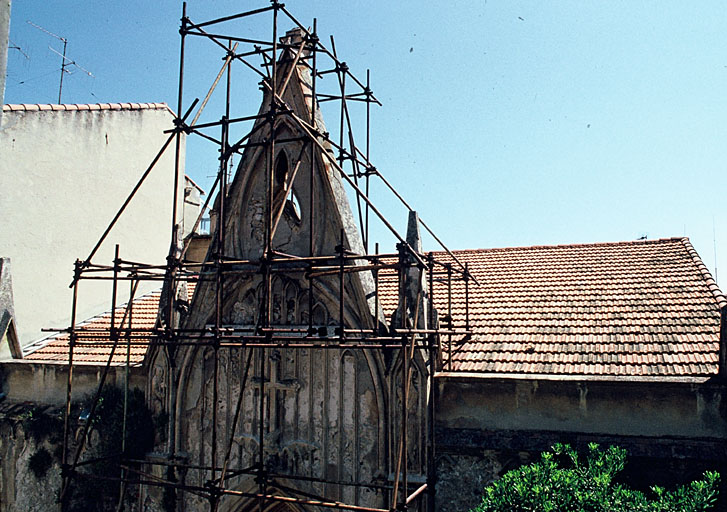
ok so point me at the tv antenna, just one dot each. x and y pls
(14, 46)
(65, 62)
(714, 241)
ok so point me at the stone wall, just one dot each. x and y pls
(31, 451)
(22, 488)
(38, 391)
(461, 478)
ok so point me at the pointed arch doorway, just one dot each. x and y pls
(252, 504)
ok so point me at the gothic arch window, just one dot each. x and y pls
(292, 206)
(281, 175)
(320, 315)
(277, 316)
(291, 304)
(281, 171)
(243, 312)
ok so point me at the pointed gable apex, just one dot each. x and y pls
(286, 180)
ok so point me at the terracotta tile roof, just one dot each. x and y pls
(629, 309)
(643, 308)
(93, 345)
(39, 107)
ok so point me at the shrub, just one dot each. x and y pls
(40, 425)
(40, 462)
(562, 482)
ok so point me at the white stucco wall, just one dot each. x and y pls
(63, 176)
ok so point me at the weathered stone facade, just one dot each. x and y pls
(328, 414)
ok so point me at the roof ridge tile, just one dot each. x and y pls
(585, 245)
(36, 107)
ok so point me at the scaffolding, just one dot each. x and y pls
(440, 273)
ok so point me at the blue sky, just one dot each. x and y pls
(504, 123)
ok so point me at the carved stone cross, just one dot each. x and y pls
(275, 390)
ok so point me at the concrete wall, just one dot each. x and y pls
(63, 176)
(46, 384)
(672, 431)
(617, 408)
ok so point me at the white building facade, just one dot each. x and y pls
(65, 170)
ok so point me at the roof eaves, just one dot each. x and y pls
(706, 275)
(54, 336)
(62, 364)
(572, 378)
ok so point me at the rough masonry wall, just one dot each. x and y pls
(462, 477)
(21, 488)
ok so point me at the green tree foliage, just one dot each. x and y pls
(561, 481)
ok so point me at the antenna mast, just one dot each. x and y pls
(63, 68)
(65, 62)
(714, 241)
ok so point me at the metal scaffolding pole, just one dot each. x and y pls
(317, 270)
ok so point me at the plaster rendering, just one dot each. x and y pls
(64, 172)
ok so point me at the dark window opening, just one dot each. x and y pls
(291, 208)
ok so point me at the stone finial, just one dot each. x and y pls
(414, 297)
(413, 237)
(293, 38)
